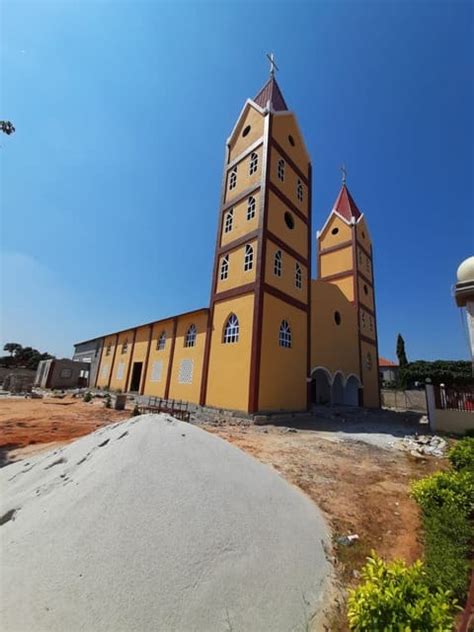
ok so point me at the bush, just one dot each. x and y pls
(395, 597)
(88, 396)
(445, 488)
(448, 533)
(462, 454)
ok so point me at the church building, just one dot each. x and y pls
(272, 338)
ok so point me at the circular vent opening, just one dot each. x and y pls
(246, 131)
(334, 231)
(337, 318)
(289, 221)
(291, 140)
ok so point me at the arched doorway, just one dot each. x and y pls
(338, 390)
(351, 391)
(320, 386)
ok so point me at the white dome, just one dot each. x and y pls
(466, 270)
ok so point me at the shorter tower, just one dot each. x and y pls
(344, 250)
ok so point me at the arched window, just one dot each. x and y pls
(233, 179)
(298, 276)
(229, 221)
(190, 339)
(251, 206)
(299, 191)
(248, 259)
(125, 346)
(285, 334)
(231, 329)
(108, 350)
(253, 163)
(281, 169)
(160, 345)
(224, 267)
(277, 264)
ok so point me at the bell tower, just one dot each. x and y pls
(345, 260)
(257, 351)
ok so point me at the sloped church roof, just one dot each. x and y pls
(345, 205)
(271, 93)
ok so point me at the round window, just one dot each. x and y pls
(335, 231)
(337, 318)
(291, 140)
(246, 131)
(366, 289)
(289, 221)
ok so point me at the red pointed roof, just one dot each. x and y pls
(271, 92)
(345, 205)
(385, 362)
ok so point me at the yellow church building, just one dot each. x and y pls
(272, 339)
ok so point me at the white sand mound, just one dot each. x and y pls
(156, 525)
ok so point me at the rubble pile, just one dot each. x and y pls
(424, 445)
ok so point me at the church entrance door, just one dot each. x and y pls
(136, 377)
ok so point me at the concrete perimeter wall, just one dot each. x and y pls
(404, 400)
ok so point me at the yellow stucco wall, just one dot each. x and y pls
(285, 283)
(237, 275)
(344, 232)
(244, 179)
(296, 238)
(241, 225)
(156, 387)
(336, 262)
(106, 361)
(289, 184)
(333, 346)
(282, 126)
(370, 375)
(122, 360)
(189, 391)
(229, 364)
(282, 371)
(363, 235)
(239, 143)
(346, 285)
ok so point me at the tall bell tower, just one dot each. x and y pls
(257, 351)
(345, 259)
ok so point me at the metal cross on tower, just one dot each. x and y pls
(273, 66)
(344, 173)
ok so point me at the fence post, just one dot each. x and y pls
(431, 406)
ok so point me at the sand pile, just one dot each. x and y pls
(154, 524)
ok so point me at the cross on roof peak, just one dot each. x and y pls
(344, 173)
(273, 66)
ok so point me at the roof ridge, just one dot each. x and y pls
(272, 93)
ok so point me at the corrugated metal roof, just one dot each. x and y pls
(345, 205)
(271, 92)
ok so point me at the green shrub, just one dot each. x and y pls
(462, 454)
(447, 536)
(395, 597)
(445, 488)
(87, 396)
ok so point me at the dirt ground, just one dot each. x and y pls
(30, 425)
(362, 489)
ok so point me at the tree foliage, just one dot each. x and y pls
(7, 127)
(401, 355)
(448, 372)
(22, 357)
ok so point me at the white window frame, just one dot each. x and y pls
(233, 178)
(248, 258)
(300, 191)
(253, 163)
(251, 207)
(161, 342)
(229, 220)
(284, 338)
(224, 268)
(278, 264)
(281, 170)
(231, 330)
(190, 338)
(186, 370)
(298, 276)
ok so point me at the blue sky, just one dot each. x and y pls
(110, 186)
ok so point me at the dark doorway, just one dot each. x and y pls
(136, 377)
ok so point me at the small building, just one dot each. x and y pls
(388, 371)
(89, 352)
(64, 373)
